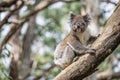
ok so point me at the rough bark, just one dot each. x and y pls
(104, 45)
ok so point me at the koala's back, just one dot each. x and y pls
(63, 44)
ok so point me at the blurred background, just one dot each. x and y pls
(31, 29)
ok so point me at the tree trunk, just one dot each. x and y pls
(104, 45)
(26, 54)
(108, 75)
(15, 50)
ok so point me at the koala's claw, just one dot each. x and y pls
(75, 59)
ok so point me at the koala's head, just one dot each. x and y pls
(79, 23)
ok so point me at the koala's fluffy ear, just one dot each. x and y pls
(71, 16)
(87, 18)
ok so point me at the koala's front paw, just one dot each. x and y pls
(91, 51)
(75, 59)
(89, 46)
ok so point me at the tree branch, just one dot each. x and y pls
(67, 1)
(108, 75)
(109, 1)
(15, 49)
(104, 45)
(7, 3)
(44, 4)
(5, 20)
(13, 29)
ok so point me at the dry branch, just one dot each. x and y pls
(109, 1)
(108, 75)
(15, 49)
(7, 3)
(104, 45)
(13, 29)
(5, 20)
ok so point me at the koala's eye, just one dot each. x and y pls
(83, 24)
(74, 24)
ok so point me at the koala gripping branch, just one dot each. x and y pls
(104, 45)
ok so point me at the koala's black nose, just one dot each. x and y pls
(78, 26)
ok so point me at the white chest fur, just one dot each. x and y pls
(83, 37)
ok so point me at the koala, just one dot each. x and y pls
(75, 43)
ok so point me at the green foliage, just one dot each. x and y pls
(101, 20)
(44, 62)
(105, 65)
(117, 50)
(74, 7)
(5, 52)
(42, 59)
(3, 72)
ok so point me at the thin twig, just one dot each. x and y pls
(5, 20)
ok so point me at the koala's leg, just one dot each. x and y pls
(67, 57)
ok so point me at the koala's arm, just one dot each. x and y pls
(80, 49)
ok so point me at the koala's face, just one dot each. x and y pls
(79, 23)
